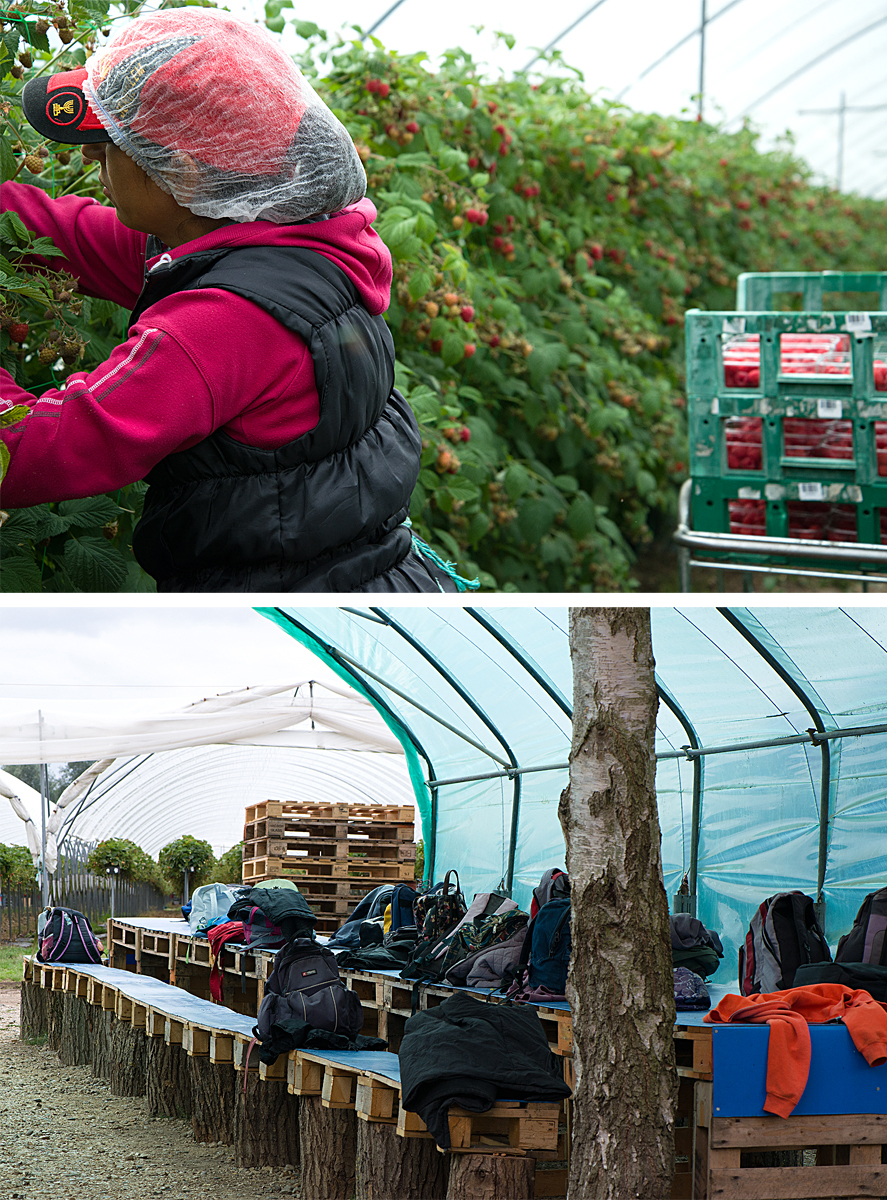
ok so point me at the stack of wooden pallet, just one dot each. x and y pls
(334, 853)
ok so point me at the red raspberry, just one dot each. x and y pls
(468, 352)
(494, 340)
(467, 313)
(383, 89)
(465, 435)
(473, 162)
(412, 127)
(19, 331)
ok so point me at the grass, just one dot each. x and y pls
(11, 961)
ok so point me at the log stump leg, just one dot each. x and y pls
(329, 1150)
(102, 1026)
(55, 1024)
(34, 1011)
(168, 1080)
(129, 1060)
(76, 1043)
(396, 1168)
(491, 1177)
(266, 1124)
(213, 1100)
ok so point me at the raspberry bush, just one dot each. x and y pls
(546, 246)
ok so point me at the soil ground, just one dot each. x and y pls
(66, 1137)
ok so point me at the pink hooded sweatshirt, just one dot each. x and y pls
(193, 363)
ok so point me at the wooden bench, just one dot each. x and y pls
(340, 1114)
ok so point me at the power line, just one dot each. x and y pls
(687, 38)
(808, 66)
(562, 34)
(384, 17)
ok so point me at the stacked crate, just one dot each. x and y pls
(333, 853)
(788, 412)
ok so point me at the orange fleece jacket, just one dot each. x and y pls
(788, 1014)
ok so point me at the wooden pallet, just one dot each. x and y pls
(391, 813)
(693, 1052)
(326, 849)
(258, 869)
(847, 1150)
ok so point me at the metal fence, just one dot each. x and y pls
(73, 886)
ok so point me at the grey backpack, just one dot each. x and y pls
(305, 986)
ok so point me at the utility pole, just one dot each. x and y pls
(702, 25)
(841, 111)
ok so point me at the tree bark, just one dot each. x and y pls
(329, 1150)
(213, 1100)
(491, 1177)
(103, 1023)
(129, 1060)
(55, 1024)
(76, 1042)
(266, 1125)
(620, 984)
(396, 1168)
(168, 1080)
(33, 1011)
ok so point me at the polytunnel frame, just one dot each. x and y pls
(356, 674)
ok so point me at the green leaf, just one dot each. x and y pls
(535, 518)
(432, 137)
(414, 159)
(453, 349)
(582, 516)
(90, 513)
(420, 283)
(566, 483)
(12, 227)
(7, 167)
(425, 404)
(462, 489)
(464, 95)
(19, 573)
(94, 565)
(517, 481)
(543, 361)
(138, 580)
(307, 29)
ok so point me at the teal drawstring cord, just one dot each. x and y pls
(462, 585)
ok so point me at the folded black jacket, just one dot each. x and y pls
(282, 906)
(376, 958)
(470, 1053)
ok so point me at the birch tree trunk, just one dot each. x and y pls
(620, 985)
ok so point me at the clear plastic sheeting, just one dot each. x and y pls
(488, 692)
(203, 791)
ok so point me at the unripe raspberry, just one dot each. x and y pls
(47, 354)
(25, 58)
(450, 298)
(432, 309)
(34, 163)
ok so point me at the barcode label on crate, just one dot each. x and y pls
(809, 491)
(746, 493)
(858, 322)
(829, 410)
(734, 325)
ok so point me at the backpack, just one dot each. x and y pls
(67, 936)
(434, 956)
(545, 954)
(866, 941)
(861, 977)
(481, 938)
(209, 906)
(305, 986)
(260, 933)
(403, 902)
(439, 909)
(784, 933)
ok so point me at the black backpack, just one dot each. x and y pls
(866, 941)
(67, 937)
(305, 986)
(784, 933)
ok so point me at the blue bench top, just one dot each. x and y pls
(168, 999)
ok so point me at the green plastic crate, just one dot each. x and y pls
(755, 291)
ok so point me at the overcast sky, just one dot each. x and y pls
(68, 656)
(750, 49)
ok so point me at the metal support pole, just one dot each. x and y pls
(702, 24)
(44, 801)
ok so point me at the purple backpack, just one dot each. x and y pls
(67, 937)
(259, 933)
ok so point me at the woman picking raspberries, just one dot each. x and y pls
(254, 393)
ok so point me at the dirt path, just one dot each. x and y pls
(66, 1137)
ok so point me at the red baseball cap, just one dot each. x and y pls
(55, 105)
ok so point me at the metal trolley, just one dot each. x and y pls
(788, 431)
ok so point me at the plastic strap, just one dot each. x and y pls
(449, 568)
(249, 1051)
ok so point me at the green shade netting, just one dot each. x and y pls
(487, 692)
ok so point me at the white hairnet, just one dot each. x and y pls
(221, 118)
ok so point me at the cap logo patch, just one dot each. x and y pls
(66, 107)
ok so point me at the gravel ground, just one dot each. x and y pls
(65, 1136)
